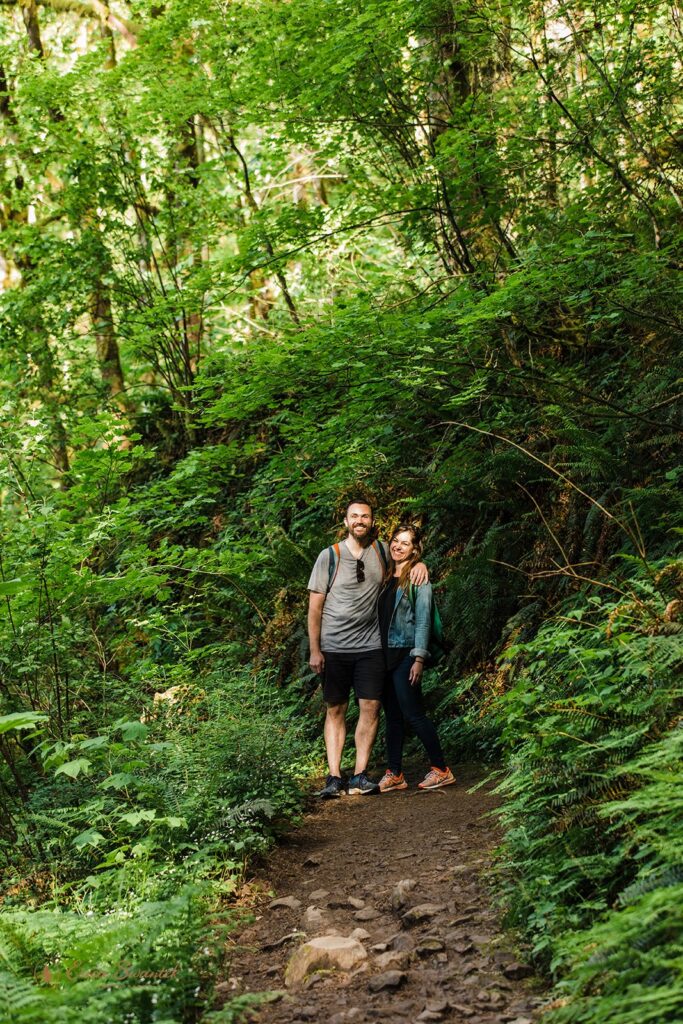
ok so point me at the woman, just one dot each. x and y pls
(404, 620)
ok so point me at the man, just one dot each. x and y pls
(345, 642)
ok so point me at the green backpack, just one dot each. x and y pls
(438, 646)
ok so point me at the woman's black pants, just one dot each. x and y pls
(403, 703)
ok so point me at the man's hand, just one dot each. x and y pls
(416, 670)
(317, 662)
(419, 574)
(315, 614)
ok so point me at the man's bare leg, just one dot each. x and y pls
(335, 735)
(366, 730)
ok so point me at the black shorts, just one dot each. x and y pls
(362, 670)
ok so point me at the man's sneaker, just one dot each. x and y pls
(360, 785)
(435, 778)
(333, 788)
(389, 782)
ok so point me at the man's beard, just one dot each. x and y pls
(366, 534)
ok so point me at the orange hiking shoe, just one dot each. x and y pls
(390, 782)
(435, 778)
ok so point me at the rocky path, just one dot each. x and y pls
(382, 914)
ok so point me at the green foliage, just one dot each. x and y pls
(148, 963)
(592, 725)
(261, 256)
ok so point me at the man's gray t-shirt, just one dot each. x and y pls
(349, 621)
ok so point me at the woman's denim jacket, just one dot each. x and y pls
(410, 628)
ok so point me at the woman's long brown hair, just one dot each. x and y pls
(416, 537)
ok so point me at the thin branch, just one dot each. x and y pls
(562, 476)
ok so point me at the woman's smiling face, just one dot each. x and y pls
(401, 546)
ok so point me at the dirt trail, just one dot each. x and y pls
(342, 868)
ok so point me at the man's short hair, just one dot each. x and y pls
(359, 501)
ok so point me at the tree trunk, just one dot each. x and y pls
(107, 348)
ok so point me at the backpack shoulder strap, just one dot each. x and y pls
(334, 556)
(381, 554)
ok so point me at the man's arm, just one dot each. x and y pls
(315, 615)
(419, 574)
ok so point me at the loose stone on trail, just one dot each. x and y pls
(286, 902)
(462, 947)
(345, 903)
(369, 914)
(516, 971)
(392, 958)
(313, 918)
(390, 979)
(276, 943)
(428, 946)
(347, 1016)
(318, 895)
(327, 952)
(399, 897)
(422, 912)
(403, 941)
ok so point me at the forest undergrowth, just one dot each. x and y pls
(258, 258)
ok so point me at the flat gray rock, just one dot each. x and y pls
(423, 912)
(403, 942)
(390, 979)
(286, 903)
(318, 895)
(368, 914)
(393, 959)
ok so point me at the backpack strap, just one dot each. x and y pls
(334, 556)
(381, 554)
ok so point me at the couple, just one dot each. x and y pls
(369, 618)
